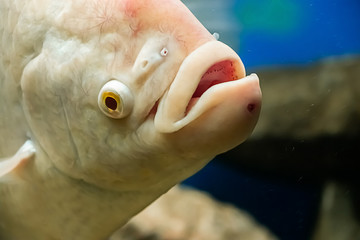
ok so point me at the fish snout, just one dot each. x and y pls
(210, 85)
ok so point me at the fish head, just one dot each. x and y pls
(131, 94)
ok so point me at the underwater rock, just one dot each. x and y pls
(188, 214)
(309, 101)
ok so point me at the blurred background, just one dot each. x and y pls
(298, 173)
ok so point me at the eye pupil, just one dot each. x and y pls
(111, 103)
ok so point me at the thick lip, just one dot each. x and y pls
(211, 67)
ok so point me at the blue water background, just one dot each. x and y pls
(276, 33)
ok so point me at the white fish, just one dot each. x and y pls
(104, 106)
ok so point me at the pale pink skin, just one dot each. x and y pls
(83, 173)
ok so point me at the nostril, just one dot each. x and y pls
(144, 63)
(251, 107)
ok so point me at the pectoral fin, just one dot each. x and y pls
(13, 164)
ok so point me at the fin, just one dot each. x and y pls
(14, 163)
(218, 17)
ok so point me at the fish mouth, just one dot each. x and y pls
(200, 85)
(218, 73)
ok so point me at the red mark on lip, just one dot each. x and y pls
(251, 107)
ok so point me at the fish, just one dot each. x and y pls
(104, 106)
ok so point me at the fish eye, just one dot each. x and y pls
(115, 99)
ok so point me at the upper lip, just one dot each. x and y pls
(213, 63)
